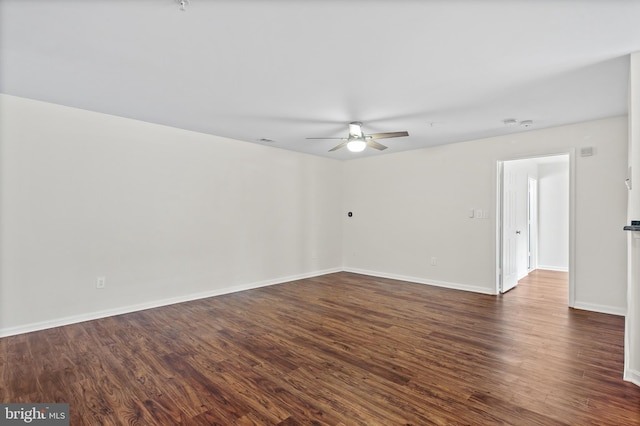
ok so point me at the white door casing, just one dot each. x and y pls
(532, 223)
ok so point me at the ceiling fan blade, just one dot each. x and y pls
(389, 135)
(338, 146)
(374, 144)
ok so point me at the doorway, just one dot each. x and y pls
(535, 218)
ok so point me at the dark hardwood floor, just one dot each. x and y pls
(341, 349)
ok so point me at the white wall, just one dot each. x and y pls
(165, 214)
(632, 321)
(411, 206)
(553, 208)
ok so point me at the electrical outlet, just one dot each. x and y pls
(101, 282)
(434, 261)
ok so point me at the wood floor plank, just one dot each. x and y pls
(339, 349)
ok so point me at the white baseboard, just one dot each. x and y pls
(632, 376)
(554, 268)
(436, 283)
(27, 328)
(604, 309)
(58, 322)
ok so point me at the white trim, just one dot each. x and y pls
(58, 322)
(604, 309)
(11, 331)
(497, 242)
(632, 376)
(629, 374)
(416, 280)
(554, 268)
(532, 222)
(572, 228)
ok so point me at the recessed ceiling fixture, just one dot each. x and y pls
(510, 122)
(183, 4)
(265, 140)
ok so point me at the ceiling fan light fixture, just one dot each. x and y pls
(356, 145)
(357, 141)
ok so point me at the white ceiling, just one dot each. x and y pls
(445, 71)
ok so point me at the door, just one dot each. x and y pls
(509, 276)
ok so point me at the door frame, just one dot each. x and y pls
(572, 216)
(532, 223)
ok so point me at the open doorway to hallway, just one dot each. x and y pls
(534, 218)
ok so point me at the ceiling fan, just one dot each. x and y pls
(358, 141)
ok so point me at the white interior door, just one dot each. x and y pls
(509, 278)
